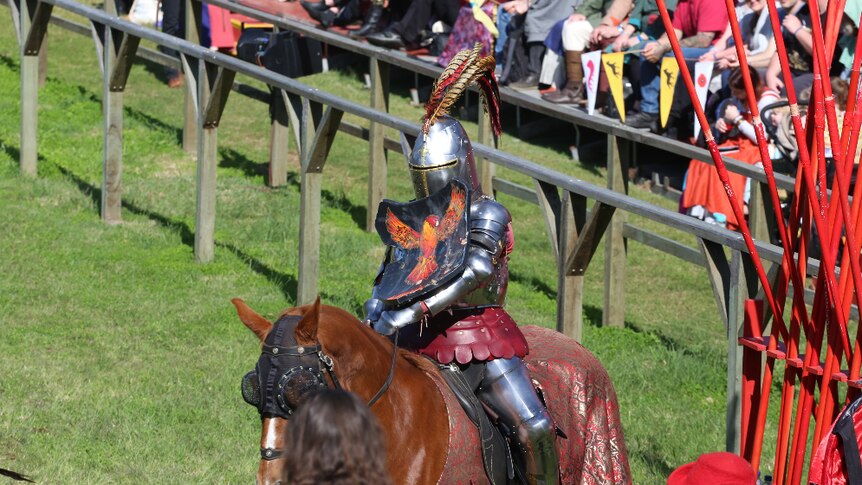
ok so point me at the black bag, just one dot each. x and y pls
(515, 59)
(286, 52)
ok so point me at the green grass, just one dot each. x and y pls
(121, 357)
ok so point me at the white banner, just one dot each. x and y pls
(592, 62)
(702, 77)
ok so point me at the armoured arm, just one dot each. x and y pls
(488, 223)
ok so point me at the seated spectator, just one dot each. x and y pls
(595, 23)
(757, 35)
(539, 17)
(643, 24)
(698, 24)
(472, 26)
(373, 19)
(412, 30)
(332, 12)
(799, 43)
(335, 440)
(703, 195)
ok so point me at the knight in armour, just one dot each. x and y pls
(443, 281)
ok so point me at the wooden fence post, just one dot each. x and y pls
(314, 154)
(487, 170)
(193, 35)
(118, 54)
(613, 313)
(279, 140)
(32, 24)
(377, 153)
(570, 286)
(213, 87)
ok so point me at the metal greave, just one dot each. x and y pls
(508, 390)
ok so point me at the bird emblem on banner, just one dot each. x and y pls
(669, 75)
(613, 64)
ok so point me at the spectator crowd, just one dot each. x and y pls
(539, 45)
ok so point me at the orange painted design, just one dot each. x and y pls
(433, 230)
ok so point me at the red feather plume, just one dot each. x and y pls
(463, 70)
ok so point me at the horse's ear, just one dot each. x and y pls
(307, 328)
(256, 323)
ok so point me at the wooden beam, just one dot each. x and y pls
(309, 210)
(718, 270)
(15, 10)
(487, 170)
(613, 314)
(323, 138)
(279, 141)
(207, 137)
(190, 68)
(551, 207)
(570, 288)
(38, 28)
(219, 92)
(191, 126)
(29, 93)
(118, 53)
(588, 239)
(377, 167)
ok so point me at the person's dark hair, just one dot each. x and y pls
(840, 89)
(333, 439)
(735, 80)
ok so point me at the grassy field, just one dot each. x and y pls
(121, 358)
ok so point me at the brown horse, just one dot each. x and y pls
(429, 439)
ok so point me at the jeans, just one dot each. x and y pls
(651, 80)
(503, 18)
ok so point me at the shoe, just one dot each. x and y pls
(529, 82)
(313, 6)
(324, 17)
(567, 95)
(642, 121)
(175, 80)
(387, 38)
(370, 25)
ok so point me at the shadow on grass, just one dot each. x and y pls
(10, 62)
(593, 315)
(230, 158)
(533, 282)
(139, 116)
(285, 282)
(338, 201)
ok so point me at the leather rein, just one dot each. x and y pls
(270, 454)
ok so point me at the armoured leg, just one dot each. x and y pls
(508, 391)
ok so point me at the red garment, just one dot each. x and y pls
(703, 187)
(693, 16)
(580, 397)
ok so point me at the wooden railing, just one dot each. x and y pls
(315, 117)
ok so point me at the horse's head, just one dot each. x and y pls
(290, 367)
(298, 357)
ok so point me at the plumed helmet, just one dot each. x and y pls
(440, 156)
(443, 152)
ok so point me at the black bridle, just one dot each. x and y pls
(292, 375)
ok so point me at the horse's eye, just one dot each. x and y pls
(251, 389)
(296, 386)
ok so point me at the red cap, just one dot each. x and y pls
(720, 468)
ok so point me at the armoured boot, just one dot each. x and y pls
(573, 91)
(370, 25)
(508, 390)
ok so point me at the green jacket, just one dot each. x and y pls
(594, 10)
(645, 10)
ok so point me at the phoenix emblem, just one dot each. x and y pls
(434, 228)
